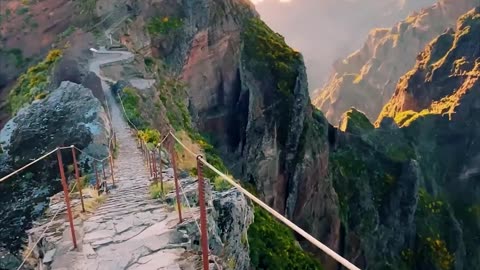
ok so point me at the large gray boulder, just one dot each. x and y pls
(70, 115)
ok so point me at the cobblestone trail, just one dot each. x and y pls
(129, 230)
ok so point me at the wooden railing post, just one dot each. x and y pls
(67, 196)
(77, 177)
(203, 213)
(175, 176)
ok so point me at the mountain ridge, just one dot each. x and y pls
(367, 78)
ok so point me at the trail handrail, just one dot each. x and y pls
(30, 250)
(45, 156)
(280, 217)
(125, 112)
(28, 165)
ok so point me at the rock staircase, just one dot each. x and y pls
(129, 230)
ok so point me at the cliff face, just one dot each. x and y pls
(248, 91)
(408, 195)
(330, 29)
(70, 115)
(386, 197)
(367, 78)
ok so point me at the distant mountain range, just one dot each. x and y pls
(326, 30)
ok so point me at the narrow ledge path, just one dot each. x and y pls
(129, 230)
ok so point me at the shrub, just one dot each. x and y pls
(163, 26)
(273, 245)
(268, 53)
(219, 184)
(33, 83)
(22, 10)
(150, 136)
(149, 62)
(131, 103)
(156, 190)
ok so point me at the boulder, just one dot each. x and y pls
(69, 115)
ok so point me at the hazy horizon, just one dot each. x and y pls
(330, 29)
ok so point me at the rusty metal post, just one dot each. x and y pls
(154, 163)
(175, 177)
(161, 170)
(103, 170)
(111, 170)
(77, 177)
(97, 184)
(111, 152)
(149, 161)
(203, 213)
(67, 197)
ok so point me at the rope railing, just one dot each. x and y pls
(277, 215)
(201, 161)
(67, 192)
(30, 250)
(28, 165)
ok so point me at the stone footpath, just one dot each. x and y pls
(129, 230)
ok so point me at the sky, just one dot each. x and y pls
(327, 30)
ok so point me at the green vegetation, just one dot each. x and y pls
(22, 10)
(172, 94)
(219, 184)
(269, 54)
(149, 62)
(17, 56)
(355, 122)
(211, 156)
(150, 136)
(131, 103)
(163, 25)
(432, 219)
(273, 246)
(362, 169)
(87, 6)
(156, 191)
(67, 32)
(33, 83)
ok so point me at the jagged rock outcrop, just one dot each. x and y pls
(258, 113)
(445, 72)
(232, 215)
(229, 216)
(366, 79)
(419, 207)
(70, 115)
(327, 30)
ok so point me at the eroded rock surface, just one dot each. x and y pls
(70, 115)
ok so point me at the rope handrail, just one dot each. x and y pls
(28, 165)
(280, 217)
(43, 233)
(45, 156)
(125, 112)
(96, 159)
(191, 209)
